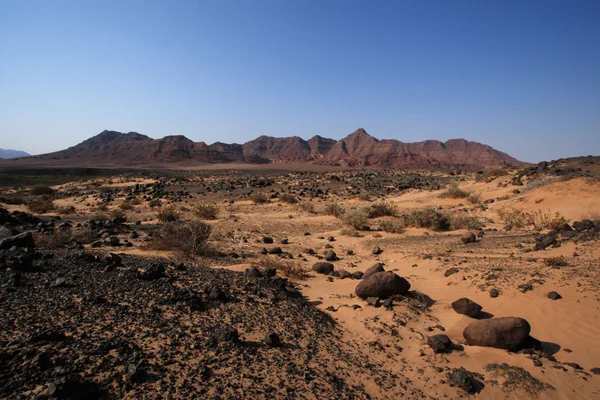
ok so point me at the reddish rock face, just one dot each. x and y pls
(509, 333)
(357, 149)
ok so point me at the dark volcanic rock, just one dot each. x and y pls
(378, 267)
(331, 256)
(382, 285)
(466, 307)
(440, 343)
(24, 239)
(509, 333)
(554, 296)
(322, 268)
(463, 379)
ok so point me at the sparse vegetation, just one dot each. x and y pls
(288, 198)
(357, 219)
(514, 217)
(541, 220)
(334, 209)
(56, 240)
(67, 210)
(494, 173)
(465, 220)
(383, 210)
(307, 206)
(429, 218)
(454, 192)
(288, 268)
(189, 238)
(42, 190)
(474, 198)
(259, 198)
(40, 205)
(556, 261)
(126, 206)
(206, 211)
(364, 196)
(168, 214)
(117, 214)
(392, 225)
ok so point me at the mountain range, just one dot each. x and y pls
(7, 153)
(359, 149)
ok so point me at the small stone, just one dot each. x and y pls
(554, 296)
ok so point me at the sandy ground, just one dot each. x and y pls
(396, 339)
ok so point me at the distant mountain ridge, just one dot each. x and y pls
(7, 153)
(359, 149)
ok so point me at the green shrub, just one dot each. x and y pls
(383, 210)
(429, 218)
(391, 225)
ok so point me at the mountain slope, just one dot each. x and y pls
(359, 149)
(7, 153)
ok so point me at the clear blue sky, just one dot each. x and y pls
(522, 76)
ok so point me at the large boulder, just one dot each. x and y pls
(24, 239)
(323, 268)
(382, 285)
(468, 237)
(5, 232)
(509, 333)
(466, 307)
(378, 267)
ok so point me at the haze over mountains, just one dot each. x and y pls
(358, 149)
(8, 153)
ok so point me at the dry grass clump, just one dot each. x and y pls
(135, 201)
(259, 198)
(358, 220)
(40, 205)
(541, 220)
(348, 231)
(67, 210)
(288, 268)
(512, 216)
(190, 238)
(126, 206)
(288, 198)
(99, 217)
(495, 173)
(474, 198)
(383, 210)
(556, 261)
(454, 192)
(392, 225)
(56, 240)
(168, 214)
(41, 190)
(307, 206)
(364, 196)
(334, 209)
(206, 211)
(429, 218)
(465, 221)
(118, 214)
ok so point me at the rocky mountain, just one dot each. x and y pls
(7, 153)
(358, 149)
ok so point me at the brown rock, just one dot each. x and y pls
(378, 267)
(382, 285)
(509, 333)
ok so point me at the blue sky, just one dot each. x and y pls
(522, 76)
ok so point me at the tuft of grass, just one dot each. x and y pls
(334, 209)
(429, 218)
(189, 238)
(383, 210)
(556, 261)
(168, 214)
(392, 225)
(357, 219)
(515, 217)
(541, 220)
(465, 221)
(474, 198)
(495, 173)
(67, 210)
(259, 198)
(42, 190)
(454, 192)
(126, 206)
(206, 211)
(288, 268)
(364, 196)
(347, 231)
(288, 198)
(58, 239)
(117, 214)
(40, 205)
(307, 206)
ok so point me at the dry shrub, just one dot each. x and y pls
(288, 268)
(40, 205)
(99, 217)
(288, 198)
(154, 203)
(126, 206)
(454, 192)
(364, 197)
(135, 201)
(357, 219)
(465, 221)
(429, 218)
(512, 216)
(117, 214)
(67, 210)
(495, 173)
(56, 240)
(541, 220)
(347, 231)
(259, 198)
(15, 199)
(41, 190)
(168, 214)
(383, 210)
(334, 209)
(206, 211)
(556, 261)
(307, 206)
(474, 198)
(392, 225)
(189, 238)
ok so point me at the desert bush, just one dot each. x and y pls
(135, 201)
(206, 211)
(383, 210)
(40, 205)
(67, 210)
(307, 206)
(512, 216)
(357, 219)
(40, 190)
(454, 192)
(288, 268)
(100, 217)
(334, 209)
(364, 196)
(126, 206)
(259, 198)
(495, 173)
(392, 225)
(102, 207)
(189, 238)
(288, 198)
(429, 218)
(556, 261)
(541, 220)
(474, 198)
(117, 214)
(465, 221)
(56, 240)
(348, 231)
(168, 214)
(154, 203)
(15, 199)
